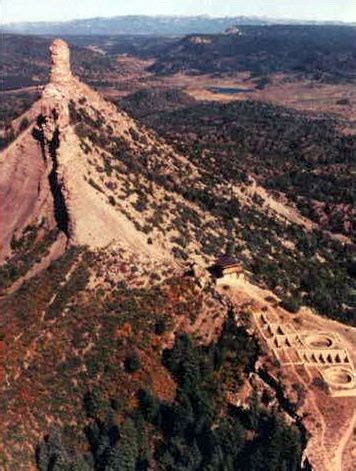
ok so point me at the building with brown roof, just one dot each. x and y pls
(226, 269)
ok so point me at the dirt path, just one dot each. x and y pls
(33, 88)
(337, 462)
(349, 452)
(316, 446)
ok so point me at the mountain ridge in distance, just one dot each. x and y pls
(153, 25)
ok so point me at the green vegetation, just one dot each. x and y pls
(141, 103)
(229, 144)
(306, 158)
(21, 69)
(27, 250)
(198, 430)
(132, 363)
(285, 151)
(324, 53)
(144, 408)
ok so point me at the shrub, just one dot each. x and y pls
(160, 327)
(112, 200)
(24, 124)
(132, 363)
(291, 304)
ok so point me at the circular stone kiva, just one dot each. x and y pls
(319, 341)
(338, 376)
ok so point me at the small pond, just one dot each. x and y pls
(229, 90)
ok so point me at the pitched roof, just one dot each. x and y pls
(225, 261)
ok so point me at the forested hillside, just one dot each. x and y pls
(196, 430)
(321, 52)
(21, 69)
(295, 157)
(304, 157)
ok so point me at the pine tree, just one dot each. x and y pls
(125, 455)
(254, 403)
(52, 454)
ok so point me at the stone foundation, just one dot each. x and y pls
(320, 352)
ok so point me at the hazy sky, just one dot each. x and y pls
(57, 10)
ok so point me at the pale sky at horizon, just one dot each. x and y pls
(61, 10)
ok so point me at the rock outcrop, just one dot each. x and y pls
(60, 62)
(30, 180)
(74, 132)
(61, 82)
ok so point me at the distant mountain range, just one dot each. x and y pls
(150, 25)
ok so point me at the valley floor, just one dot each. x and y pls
(338, 100)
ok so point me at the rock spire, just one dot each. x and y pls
(60, 62)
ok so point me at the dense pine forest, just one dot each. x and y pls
(197, 431)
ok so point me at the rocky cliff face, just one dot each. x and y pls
(25, 197)
(91, 219)
(60, 62)
(78, 139)
(30, 182)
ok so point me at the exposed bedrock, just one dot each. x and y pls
(60, 62)
(48, 136)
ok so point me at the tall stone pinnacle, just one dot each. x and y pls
(56, 93)
(60, 62)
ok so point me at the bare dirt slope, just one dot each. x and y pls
(25, 197)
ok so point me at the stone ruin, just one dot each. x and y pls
(322, 354)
